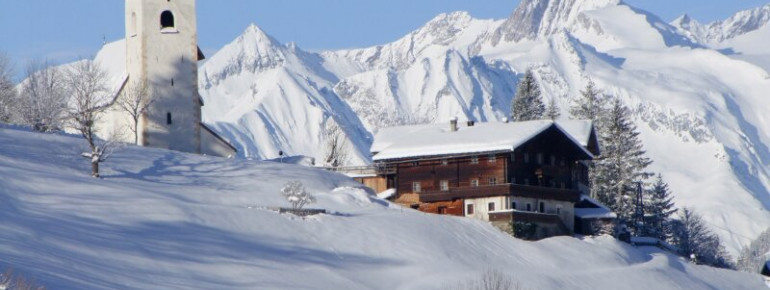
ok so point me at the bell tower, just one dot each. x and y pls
(162, 51)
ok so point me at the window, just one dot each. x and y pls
(475, 160)
(526, 157)
(444, 162)
(132, 27)
(168, 118)
(469, 209)
(415, 163)
(529, 207)
(416, 187)
(167, 20)
(444, 184)
(526, 181)
(507, 202)
(513, 205)
(542, 207)
(492, 158)
(492, 180)
(475, 182)
(442, 210)
(558, 210)
(553, 160)
(513, 157)
(540, 158)
(491, 206)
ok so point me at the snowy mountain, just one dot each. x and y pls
(162, 219)
(700, 110)
(719, 31)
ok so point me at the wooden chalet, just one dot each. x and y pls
(499, 172)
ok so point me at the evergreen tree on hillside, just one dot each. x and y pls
(553, 111)
(621, 163)
(695, 240)
(527, 104)
(659, 206)
(753, 257)
(591, 105)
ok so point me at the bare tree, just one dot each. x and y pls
(7, 88)
(295, 194)
(491, 279)
(336, 153)
(86, 84)
(9, 280)
(42, 101)
(135, 101)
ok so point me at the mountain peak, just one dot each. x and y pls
(545, 17)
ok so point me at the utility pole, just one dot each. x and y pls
(638, 220)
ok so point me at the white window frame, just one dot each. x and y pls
(471, 207)
(493, 181)
(444, 162)
(444, 185)
(491, 207)
(475, 182)
(416, 186)
(492, 158)
(474, 159)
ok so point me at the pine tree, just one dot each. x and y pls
(591, 105)
(659, 206)
(553, 111)
(753, 257)
(622, 162)
(527, 104)
(697, 242)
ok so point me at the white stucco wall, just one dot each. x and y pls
(167, 60)
(481, 206)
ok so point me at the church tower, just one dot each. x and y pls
(162, 51)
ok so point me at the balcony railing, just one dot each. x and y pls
(466, 192)
(533, 217)
(377, 169)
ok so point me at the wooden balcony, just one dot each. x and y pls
(466, 192)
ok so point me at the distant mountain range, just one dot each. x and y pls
(698, 91)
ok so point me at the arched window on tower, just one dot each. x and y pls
(167, 20)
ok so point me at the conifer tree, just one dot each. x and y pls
(590, 105)
(527, 104)
(621, 163)
(553, 111)
(659, 207)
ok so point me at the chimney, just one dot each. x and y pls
(471, 123)
(453, 125)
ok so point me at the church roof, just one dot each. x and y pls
(112, 58)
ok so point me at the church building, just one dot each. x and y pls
(161, 52)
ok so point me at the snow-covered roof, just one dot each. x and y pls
(112, 58)
(579, 129)
(438, 139)
(601, 212)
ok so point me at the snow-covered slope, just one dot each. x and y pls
(701, 111)
(167, 220)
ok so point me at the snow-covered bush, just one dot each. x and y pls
(295, 193)
(9, 281)
(754, 256)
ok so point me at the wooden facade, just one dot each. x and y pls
(546, 167)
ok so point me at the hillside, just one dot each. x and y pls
(162, 219)
(698, 101)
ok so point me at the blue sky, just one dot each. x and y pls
(65, 30)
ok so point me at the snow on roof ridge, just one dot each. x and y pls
(438, 139)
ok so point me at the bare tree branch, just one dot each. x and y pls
(7, 88)
(135, 101)
(42, 100)
(86, 84)
(336, 154)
